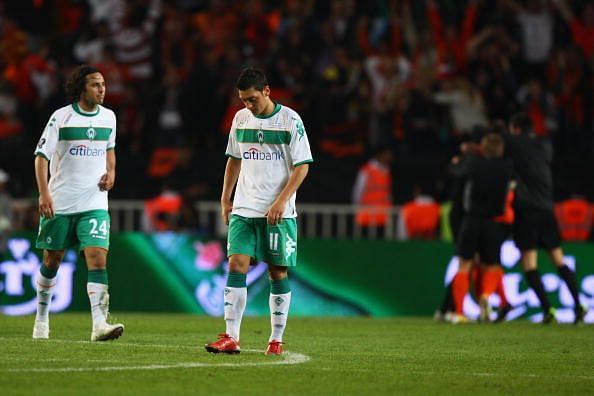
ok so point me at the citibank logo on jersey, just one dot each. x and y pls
(85, 151)
(255, 154)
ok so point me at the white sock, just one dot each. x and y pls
(97, 292)
(45, 288)
(235, 300)
(279, 311)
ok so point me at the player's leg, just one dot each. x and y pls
(279, 303)
(280, 252)
(526, 236)
(568, 276)
(46, 280)
(241, 251)
(529, 260)
(466, 248)
(551, 241)
(98, 292)
(235, 299)
(447, 306)
(236, 293)
(55, 235)
(490, 252)
(460, 287)
(92, 230)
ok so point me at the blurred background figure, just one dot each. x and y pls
(419, 217)
(373, 191)
(5, 212)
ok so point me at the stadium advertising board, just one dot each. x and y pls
(170, 272)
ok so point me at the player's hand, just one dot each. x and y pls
(46, 206)
(274, 214)
(226, 208)
(106, 182)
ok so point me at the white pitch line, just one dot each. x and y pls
(288, 358)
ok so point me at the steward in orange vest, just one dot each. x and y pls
(161, 209)
(421, 217)
(373, 188)
(575, 219)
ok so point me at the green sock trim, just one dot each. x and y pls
(97, 276)
(47, 272)
(236, 279)
(281, 286)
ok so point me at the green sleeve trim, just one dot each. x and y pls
(303, 162)
(232, 156)
(40, 154)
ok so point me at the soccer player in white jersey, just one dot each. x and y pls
(268, 159)
(77, 146)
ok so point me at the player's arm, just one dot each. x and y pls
(231, 176)
(108, 179)
(275, 213)
(46, 203)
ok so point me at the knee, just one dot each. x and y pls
(277, 273)
(53, 258)
(96, 258)
(239, 263)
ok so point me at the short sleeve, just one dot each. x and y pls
(46, 146)
(111, 143)
(299, 146)
(233, 149)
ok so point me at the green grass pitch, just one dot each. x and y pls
(164, 355)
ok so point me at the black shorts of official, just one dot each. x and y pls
(535, 228)
(480, 235)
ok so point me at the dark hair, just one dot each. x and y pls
(521, 121)
(251, 78)
(75, 85)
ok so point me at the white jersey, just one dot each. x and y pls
(269, 148)
(76, 144)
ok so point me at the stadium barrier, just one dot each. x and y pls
(315, 220)
(169, 272)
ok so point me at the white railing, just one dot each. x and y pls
(315, 220)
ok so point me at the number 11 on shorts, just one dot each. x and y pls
(273, 240)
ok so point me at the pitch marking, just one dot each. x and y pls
(289, 358)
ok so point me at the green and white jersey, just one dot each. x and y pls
(269, 148)
(76, 145)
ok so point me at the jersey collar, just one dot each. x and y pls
(82, 113)
(277, 108)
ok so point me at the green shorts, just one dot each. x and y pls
(273, 244)
(80, 230)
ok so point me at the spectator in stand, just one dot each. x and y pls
(535, 20)
(452, 44)
(131, 35)
(568, 78)
(539, 105)
(465, 102)
(582, 29)
(373, 192)
(89, 46)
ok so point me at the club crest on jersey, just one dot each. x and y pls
(261, 137)
(91, 133)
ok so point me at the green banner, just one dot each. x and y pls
(170, 272)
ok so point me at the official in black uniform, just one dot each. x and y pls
(535, 225)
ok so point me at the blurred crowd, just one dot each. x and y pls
(414, 76)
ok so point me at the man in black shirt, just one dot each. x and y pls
(535, 225)
(487, 180)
